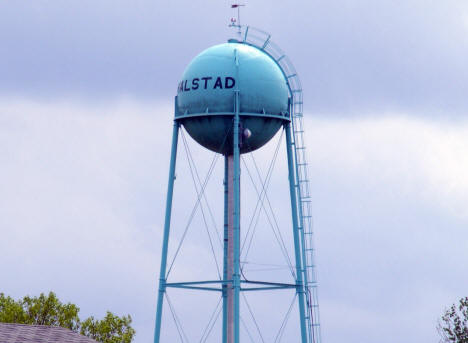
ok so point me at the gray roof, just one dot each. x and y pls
(22, 333)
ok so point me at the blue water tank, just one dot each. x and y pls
(206, 97)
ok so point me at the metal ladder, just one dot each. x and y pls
(262, 40)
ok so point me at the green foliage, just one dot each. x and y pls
(454, 325)
(111, 329)
(11, 311)
(49, 310)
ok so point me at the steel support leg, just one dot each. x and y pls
(226, 275)
(236, 181)
(309, 316)
(230, 252)
(167, 224)
(296, 234)
(236, 231)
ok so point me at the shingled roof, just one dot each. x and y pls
(22, 333)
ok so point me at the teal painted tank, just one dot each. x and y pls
(206, 97)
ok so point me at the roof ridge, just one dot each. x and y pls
(34, 333)
(36, 325)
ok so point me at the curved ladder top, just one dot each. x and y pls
(262, 41)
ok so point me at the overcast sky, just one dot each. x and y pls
(86, 106)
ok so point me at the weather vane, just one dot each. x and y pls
(236, 22)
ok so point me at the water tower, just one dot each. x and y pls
(232, 99)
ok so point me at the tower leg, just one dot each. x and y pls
(229, 256)
(167, 224)
(236, 228)
(231, 289)
(227, 266)
(227, 271)
(297, 245)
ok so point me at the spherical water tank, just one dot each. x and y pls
(206, 97)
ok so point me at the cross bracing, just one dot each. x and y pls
(303, 270)
(262, 40)
(260, 180)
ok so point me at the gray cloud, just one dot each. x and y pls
(82, 201)
(84, 167)
(354, 57)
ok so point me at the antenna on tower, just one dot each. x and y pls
(236, 22)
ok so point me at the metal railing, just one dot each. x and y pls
(262, 40)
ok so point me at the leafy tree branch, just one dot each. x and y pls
(453, 327)
(49, 310)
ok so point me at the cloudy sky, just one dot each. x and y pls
(86, 102)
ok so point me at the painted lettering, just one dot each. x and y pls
(229, 82)
(195, 83)
(218, 83)
(206, 78)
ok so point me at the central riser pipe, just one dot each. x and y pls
(230, 248)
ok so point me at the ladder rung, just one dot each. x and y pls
(280, 58)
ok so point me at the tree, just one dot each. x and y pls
(49, 310)
(111, 329)
(454, 325)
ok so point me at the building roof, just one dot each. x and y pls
(22, 333)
